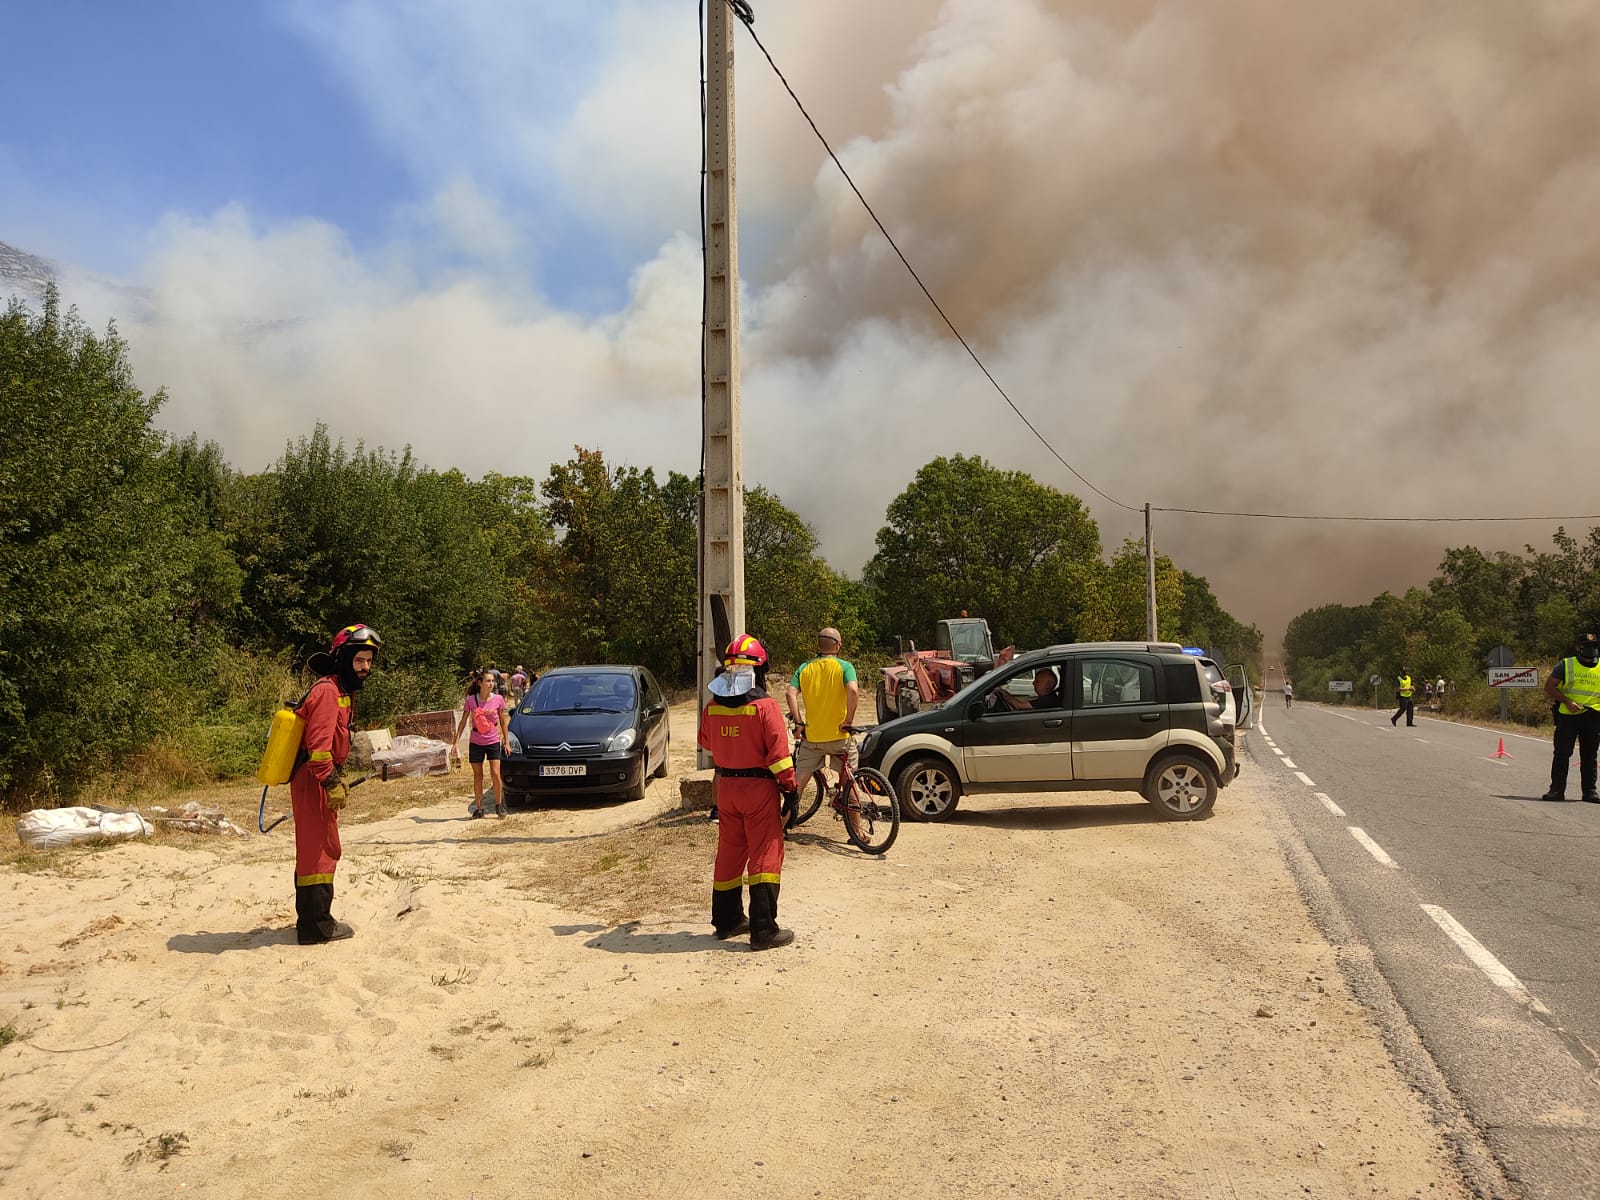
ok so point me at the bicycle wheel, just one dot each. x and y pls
(872, 812)
(811, 798)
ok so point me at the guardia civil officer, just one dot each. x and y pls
(743, 729)
(1574, 689)
(315, 789)
(1407, 691)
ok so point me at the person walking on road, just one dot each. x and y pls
(1406, 691)
(1574, 690)
(827, 684)
(1288, 694)
(742, 728)
(316, 791)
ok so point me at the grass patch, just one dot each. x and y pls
(338, 1093)
(395, 1148)
(9, 1033)
(661, 868)
(457, 978)
(161, 1148)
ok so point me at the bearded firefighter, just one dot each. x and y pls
(316, 789)
(742, 728)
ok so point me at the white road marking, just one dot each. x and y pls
(1424, 741)
(1289, 762)
(1302, 777)
(1491, 966)
(1328, 804)
(1372, 847)
(1278, 752)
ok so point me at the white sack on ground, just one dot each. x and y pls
(47, 828)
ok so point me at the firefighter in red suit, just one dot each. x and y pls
(743, 729)
(316, 789)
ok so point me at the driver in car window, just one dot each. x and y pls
(1044, 692)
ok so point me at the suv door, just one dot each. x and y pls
(1119, 720)
(1027, 744)
(1242, 695)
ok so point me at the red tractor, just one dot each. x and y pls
(927, 678)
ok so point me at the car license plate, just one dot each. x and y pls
(565, 769)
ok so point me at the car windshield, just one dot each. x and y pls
(969, 642)
(576, 692)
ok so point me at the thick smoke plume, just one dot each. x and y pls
(1241, 254)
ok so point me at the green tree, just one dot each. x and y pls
(97, 568)
(965, 536)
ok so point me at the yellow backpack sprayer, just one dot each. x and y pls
(278, 759)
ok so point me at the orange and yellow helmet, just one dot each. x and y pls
(745, 651)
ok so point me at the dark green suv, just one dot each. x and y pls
(1102, 716)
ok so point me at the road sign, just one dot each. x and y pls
(1515, 677)
(1341, 685)
(1501, 656)
(1375, 680)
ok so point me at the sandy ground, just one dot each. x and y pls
(1049, 997)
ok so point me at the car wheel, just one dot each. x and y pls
(666, 759)
(929, 789)
(636, 792)
(883, 704)
(1182, 787)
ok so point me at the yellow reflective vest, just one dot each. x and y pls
(1582, 684)
(1405, 686)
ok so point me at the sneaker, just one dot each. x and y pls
(778, 937)
(500, 811)
(712, 815)
(474, 812)
(723, 935)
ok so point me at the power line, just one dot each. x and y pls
(743, 10)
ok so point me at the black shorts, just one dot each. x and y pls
(477, 753)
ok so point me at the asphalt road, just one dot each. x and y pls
(1481, 905)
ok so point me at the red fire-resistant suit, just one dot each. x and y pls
(748, 742)
(326, 745)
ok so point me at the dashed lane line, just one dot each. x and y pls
(1371, 846)
(1304, 778)
(1478, 953)
(1289, 762)
(1327, 803)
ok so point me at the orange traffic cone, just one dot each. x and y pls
(1500, 751)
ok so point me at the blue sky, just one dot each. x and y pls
(186, 106)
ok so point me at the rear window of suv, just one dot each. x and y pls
(1183, 683)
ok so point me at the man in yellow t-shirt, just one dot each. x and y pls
(827, 684)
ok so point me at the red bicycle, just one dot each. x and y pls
(862, 798)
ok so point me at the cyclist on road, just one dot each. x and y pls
(742, 728)
(827, 684)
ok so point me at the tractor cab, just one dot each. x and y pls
(966, 640)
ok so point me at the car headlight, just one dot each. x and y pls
(620, 741)
(869, 743)
(511, 740)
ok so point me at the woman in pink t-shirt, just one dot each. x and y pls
(484, 710)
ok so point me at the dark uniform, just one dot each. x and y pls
(1407, 691)
(1575, 687)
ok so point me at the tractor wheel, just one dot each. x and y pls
(910, 698)
(883, 704)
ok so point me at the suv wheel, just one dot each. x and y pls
(929, 789)
(1182, 787)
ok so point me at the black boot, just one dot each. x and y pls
(322, 927)
(727, 912)
(764, 931)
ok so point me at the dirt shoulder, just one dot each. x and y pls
(1046, 997)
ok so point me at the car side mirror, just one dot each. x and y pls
(976, 710)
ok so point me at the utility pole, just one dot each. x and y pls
(1149, 578)
(721, 494)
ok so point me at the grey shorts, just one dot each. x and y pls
(808, 756)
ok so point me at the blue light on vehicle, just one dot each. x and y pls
(1194, 650)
